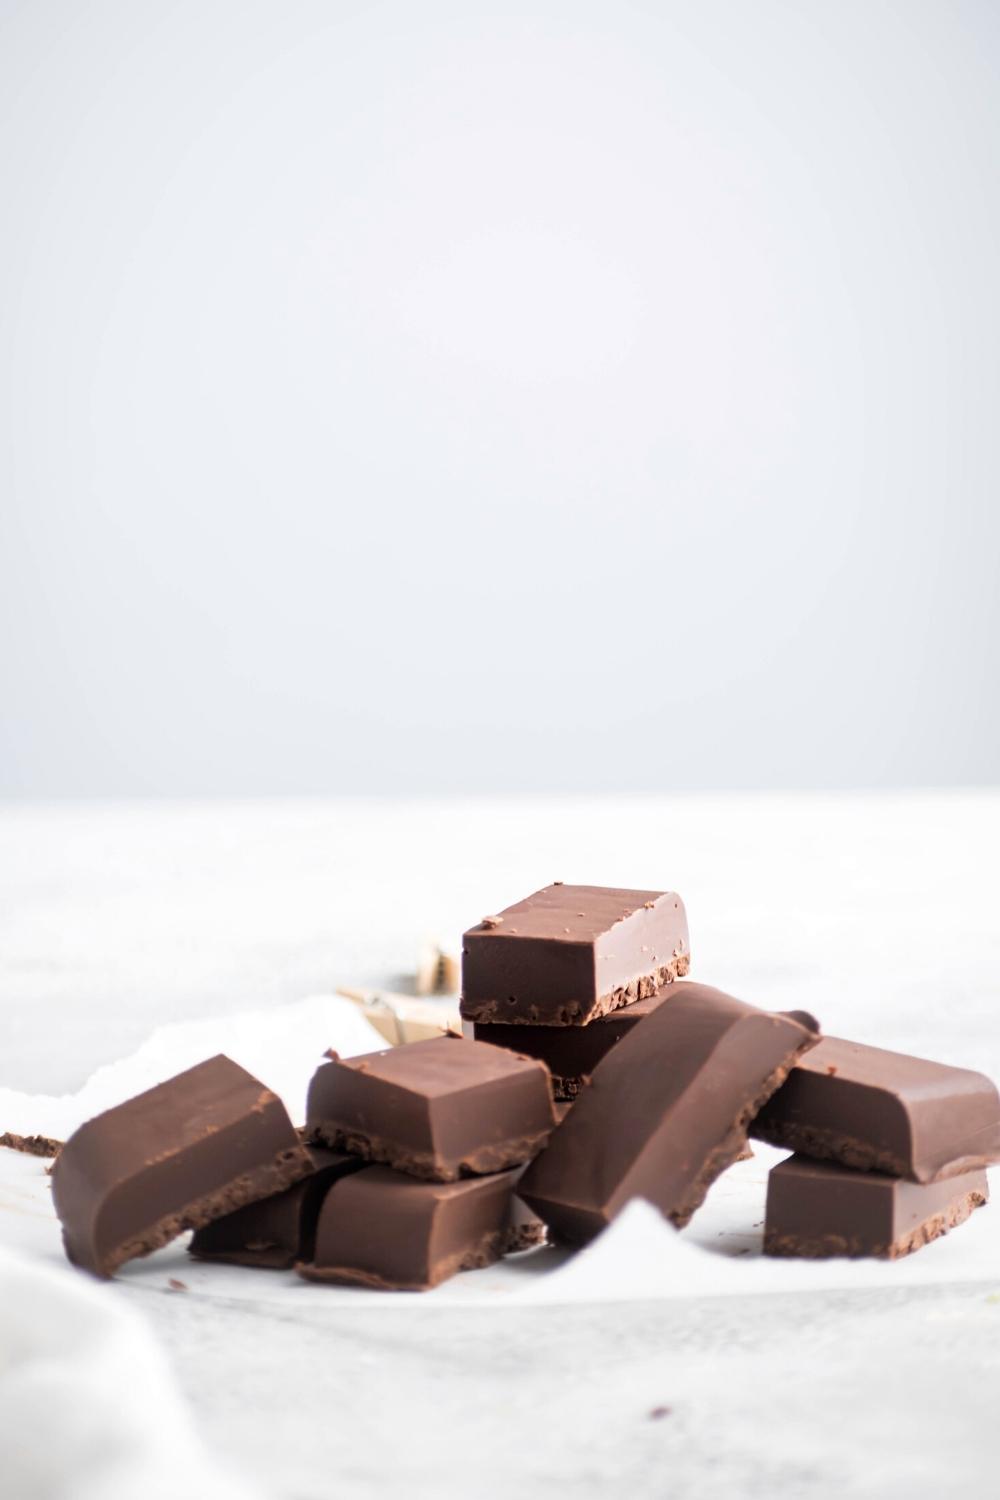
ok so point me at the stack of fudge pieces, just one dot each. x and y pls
(890, 1151)
(591, 1072)
(403, 1175)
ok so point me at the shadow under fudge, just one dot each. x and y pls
(274, 1233)
(571, 1053)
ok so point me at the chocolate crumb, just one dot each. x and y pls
(31, 1145)
(558, 882)
(491, 922)
(832, 1069)
(657, 1413)
(175, 1285)
(332, 1055)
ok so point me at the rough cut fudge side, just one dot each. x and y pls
(818, 1209)
(569, 954)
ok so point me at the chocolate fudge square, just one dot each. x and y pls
(440, 1109)
(818, 1209)
(884, 1111)
(383, 1229)
(571, 953)
(187, 1151)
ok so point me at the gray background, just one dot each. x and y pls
(490, 396)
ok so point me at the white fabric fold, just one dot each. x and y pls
(283, 1047)
(89, 1409)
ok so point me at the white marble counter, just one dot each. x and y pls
(879, 914)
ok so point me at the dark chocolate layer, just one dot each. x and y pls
(571, 953)
(664, 1113)
(173, 1158)
(571, 1053)
(382, 1229)
(440, 1109)
(820, 1209)
(884, 1111)
(275, 1232)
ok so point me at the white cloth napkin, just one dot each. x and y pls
(89, 1409)
(88, 1406)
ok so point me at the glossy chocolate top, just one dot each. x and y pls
(569, 913)
(439, 1109)
(878, 1110)
(438, 1067)
(167, 1119)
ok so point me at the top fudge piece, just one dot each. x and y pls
(571, 953)
(187, 1151)
(441, 1109)
(886, 1112)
